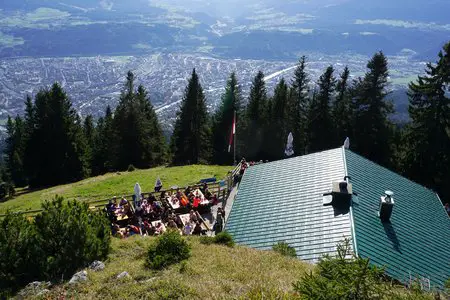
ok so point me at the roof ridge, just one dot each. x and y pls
(352, 223)
(389, 170)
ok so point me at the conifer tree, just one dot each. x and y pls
(89, 135)
(427, 137)
(298, 107)
(277, 128)
(320, 124)
(342, 113)
(104, 154)
(139, 137)
(191, 137)
(255, 120)
(223, 120)
(372, 129)
(56, 148)
(157, 141)
(15, 148)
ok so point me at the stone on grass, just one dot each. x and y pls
(124, 275)
(78, 277)
(34, 288)
(97, 266)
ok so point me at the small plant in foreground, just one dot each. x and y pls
(284, 249)
(206, 240)
(170, 248)
(224, 238)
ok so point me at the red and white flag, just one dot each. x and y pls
(233, 132)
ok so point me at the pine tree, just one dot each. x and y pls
(139, 136)
(56, 149)
(298, 107)
(255, 120)
(372, 129)
(277, 130)
(15, 148)
(427, 137)
(157, 141)
(342, 113)
(89, 135)
(320, 124)
(191, 136)
(104, 154)
(223, 119)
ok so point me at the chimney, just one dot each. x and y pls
(386, 206)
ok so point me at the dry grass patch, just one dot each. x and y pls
(213, 272)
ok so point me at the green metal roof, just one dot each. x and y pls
(416, 242)
(282, 201)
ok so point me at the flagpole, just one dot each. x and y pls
(234, 142)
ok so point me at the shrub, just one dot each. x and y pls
(63, 238)
(19, 254)
(284, 249)
(206, 240)
(350, 277)
(131, 168)
(170, 248)
(224, 238)
(71, 237)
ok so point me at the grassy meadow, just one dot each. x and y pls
(114, 184)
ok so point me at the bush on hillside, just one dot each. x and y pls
(170, 248)
(63, 238)
(71, 236)
(284, 249)
(350, 277)
(131, 168)
(19, 254)
(224, 238)
(206, 240)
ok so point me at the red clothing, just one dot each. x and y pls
(196, 202)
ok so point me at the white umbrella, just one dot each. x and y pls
(347, 143)
(137, 193)
(290, 145)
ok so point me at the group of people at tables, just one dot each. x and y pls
(151, 216)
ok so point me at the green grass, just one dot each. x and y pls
(114, 184)
(212, 272)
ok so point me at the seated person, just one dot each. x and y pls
(184, 200)
(193, 216)
(196, 202)
(188, 190)
(214, 200)
(159, 229)
(187, 229)
(133, 229)
(149, 228)
(207, 194)
(178, 194)
(204, 188)
(151, 198)
(123, 202)
(197, 229)
(172, 224)
(115, 230)
(174, 200)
